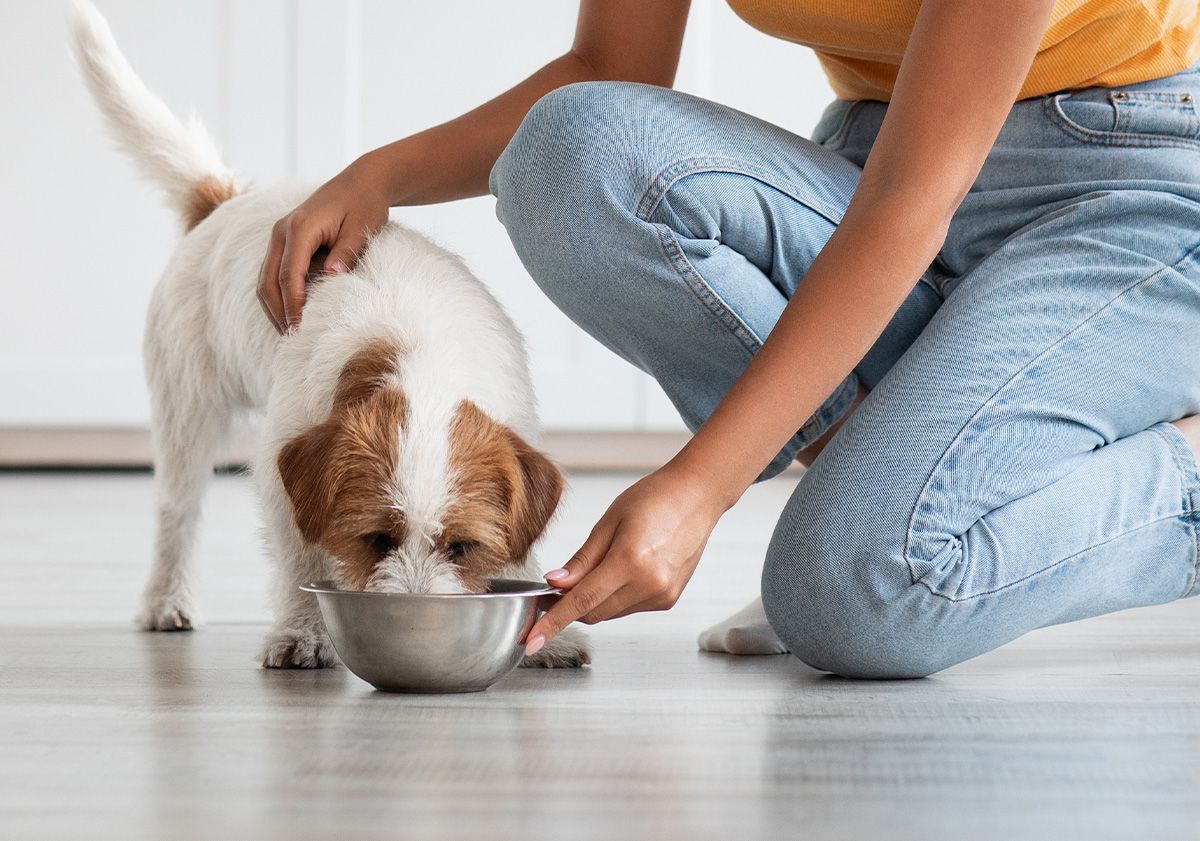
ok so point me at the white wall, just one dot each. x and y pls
(293, 88)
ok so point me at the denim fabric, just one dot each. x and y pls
(1012, 466)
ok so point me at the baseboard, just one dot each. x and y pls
(75, 447)
(129, 447)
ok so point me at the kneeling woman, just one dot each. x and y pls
(975, 293)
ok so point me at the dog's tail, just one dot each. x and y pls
(182, 159)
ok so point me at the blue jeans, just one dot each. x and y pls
(1012, 466)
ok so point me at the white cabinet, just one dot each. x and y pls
(293, 88)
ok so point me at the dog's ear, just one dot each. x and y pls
(358, 439)
(535, 499)
(506, 490)
(304, 467)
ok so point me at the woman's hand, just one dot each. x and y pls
(338, 217)
(639, 556)
(614, 39)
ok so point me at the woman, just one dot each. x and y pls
(994, 348)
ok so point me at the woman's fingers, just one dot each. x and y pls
(585, 559)
(323, 235)
(267, 309)
(638, 557)
(302, 242)
(615, 589)
(621, 603)
(649, 589)
(590, 593)
(344, 253)
(268, 281)
(646, 605)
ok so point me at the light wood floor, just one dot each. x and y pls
(1089, 731)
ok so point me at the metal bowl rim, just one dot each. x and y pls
(327, 586)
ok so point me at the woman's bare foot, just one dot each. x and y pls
(746, 632)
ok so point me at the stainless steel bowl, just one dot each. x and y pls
(409, 642)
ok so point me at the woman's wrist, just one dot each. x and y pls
(719, 488)
(383, 172)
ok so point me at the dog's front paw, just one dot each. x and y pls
(166, 614)
(569, 650)
(298, 648)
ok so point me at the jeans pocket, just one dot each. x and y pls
(1128, 117)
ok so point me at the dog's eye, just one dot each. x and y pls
(380, 542)
(459, 548)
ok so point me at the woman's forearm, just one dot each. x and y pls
(627, 40)
(934, 139)
(847, 298)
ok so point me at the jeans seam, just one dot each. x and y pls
(700, 289)
(661, 183)
(1054, 565)
(813, 427)
(835, 405)
(1186, 498)
(1113, 138)
(653, 194)
(1189, 255)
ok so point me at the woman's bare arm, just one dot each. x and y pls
(624, 40)
(961, 72)
(628, 40)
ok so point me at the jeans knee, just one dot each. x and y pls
(560, 151)
(842, 601)
(566, 186)
(550, 180)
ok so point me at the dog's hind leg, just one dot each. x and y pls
(189, 426)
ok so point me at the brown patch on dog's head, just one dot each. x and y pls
(349, 496)
(339, 475)
(206, 195)
(504, 493)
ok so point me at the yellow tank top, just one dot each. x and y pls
(1088, 43)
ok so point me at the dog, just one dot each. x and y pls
(396, 419)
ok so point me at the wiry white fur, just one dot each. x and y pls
(456, 343)
(172, 155)
(210, 353)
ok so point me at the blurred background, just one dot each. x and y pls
(296, 89)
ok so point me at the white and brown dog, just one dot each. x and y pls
(394, 453)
